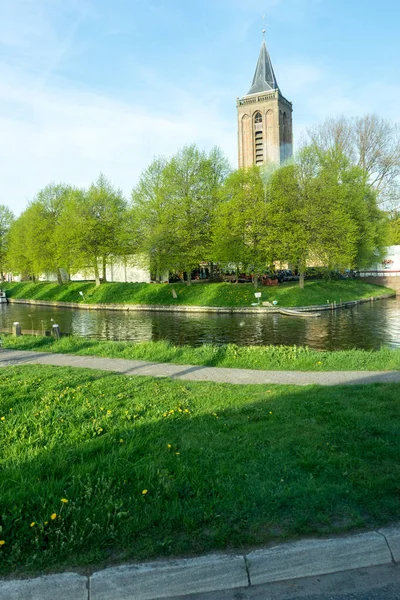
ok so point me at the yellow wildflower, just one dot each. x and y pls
(3, 418)
(121, 441)
(33, 524)
(169, 446)
(53, 516)
(64, 500)
(46, 522)
(144, 492)
(2, 542)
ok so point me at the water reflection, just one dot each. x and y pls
(367, 326)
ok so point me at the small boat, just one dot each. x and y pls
(298, 313)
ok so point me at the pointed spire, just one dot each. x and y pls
(264, 79)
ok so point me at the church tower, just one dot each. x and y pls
(264, 118)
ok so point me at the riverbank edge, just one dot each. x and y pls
(198, 309)
(235, 570)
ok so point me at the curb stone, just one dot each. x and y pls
(175, 578)
(170, 578)
(392, 537)
(66, 586)
(317, 557)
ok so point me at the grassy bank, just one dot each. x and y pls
(198, 294)
(281, 358)
(99, 467)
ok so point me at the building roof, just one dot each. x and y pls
(264, 79)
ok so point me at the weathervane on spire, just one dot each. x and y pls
(264, 28)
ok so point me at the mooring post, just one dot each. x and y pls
(16, 329)
(56, 331)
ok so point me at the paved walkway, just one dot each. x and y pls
(198, 373)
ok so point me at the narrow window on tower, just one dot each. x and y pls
(258, 139)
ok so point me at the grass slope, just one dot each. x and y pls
(198, 294)
(149, 468)
(281, 358)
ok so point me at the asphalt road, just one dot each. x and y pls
(375, 583)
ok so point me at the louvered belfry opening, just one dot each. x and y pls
(258, 139)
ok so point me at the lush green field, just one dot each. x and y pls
(97, 467)
(198, 294)
(281, 358)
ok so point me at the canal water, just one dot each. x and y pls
(368, 326)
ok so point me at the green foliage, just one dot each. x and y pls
(319, 210)
(191, 183)
(92, 228)
(199, 294)
(173, 206)
(6, 220)
(394, 230)
(241, 223)
(161, 467)
(151, 217)
(323, 211)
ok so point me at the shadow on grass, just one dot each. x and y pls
(246, 465)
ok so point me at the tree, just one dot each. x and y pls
(394, 229)
(47, 209)
(323, 210)
(92, 225)
(241, 225)
(24, 254)
(191, 180)
(151, 218)
(369, 142)
(6, 220)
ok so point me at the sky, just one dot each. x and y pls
(104, 86)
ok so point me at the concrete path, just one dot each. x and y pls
(223, 575)
(198, 373)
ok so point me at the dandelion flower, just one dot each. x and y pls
(33, 524)
(144, 492)
(3, 418)
(2, 542)
(169, 446)
(53, 516)
(64, 500)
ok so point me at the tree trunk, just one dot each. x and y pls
(34, 278)
(255, 280)
(237, 274)
(211, 265)
(189, 277)
(301, 279)
(2, 276)
(59, 278)
(104, 269)
(96, 273)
